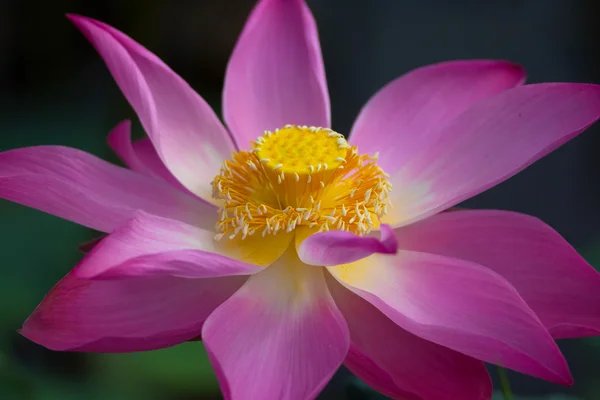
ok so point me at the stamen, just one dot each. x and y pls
(270, 188)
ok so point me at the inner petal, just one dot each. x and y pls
(300, 176)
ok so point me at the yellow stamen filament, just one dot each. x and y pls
(300, 176)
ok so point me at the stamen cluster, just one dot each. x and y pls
(300, 176)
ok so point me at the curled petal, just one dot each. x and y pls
(140, 156)
(398, 120)
(275, 75)
(86, 247)
(125, 315)
(279, 337)
(426, 371)
(341, 247)
(149, 245)
(459, 305)
(487, 144)
(119, 139)
(556, 282)
(82, 188)
(187, 135)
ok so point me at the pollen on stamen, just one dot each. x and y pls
(299, 176)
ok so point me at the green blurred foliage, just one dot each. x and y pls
(183, 369)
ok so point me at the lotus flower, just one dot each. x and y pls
(291, 251)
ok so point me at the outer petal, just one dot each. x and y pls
(150, 246)
(557, 283)
(82, 188)
(488, 143)
(341, 247)
(280, 337)
(140, 156)
(125, 315)
(188, 136)
(459, 305)
(398, 120)
(276, 75)
(402, 365)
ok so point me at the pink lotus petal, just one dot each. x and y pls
(275, 75)
(402, 365)
(82, 188)
(146, 154)
(139, 156)
(488, 143)
(341, 247)
(559, 286)
(459, 305)
(279, 337)
(125, 315)
(399, 120)
(188, 136)
(149, 245)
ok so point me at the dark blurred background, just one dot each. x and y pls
(54, 89)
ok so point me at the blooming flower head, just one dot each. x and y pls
(290, 250)
(300, 177)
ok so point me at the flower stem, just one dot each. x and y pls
(505, 384)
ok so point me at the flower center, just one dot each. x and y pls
(300, 176)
